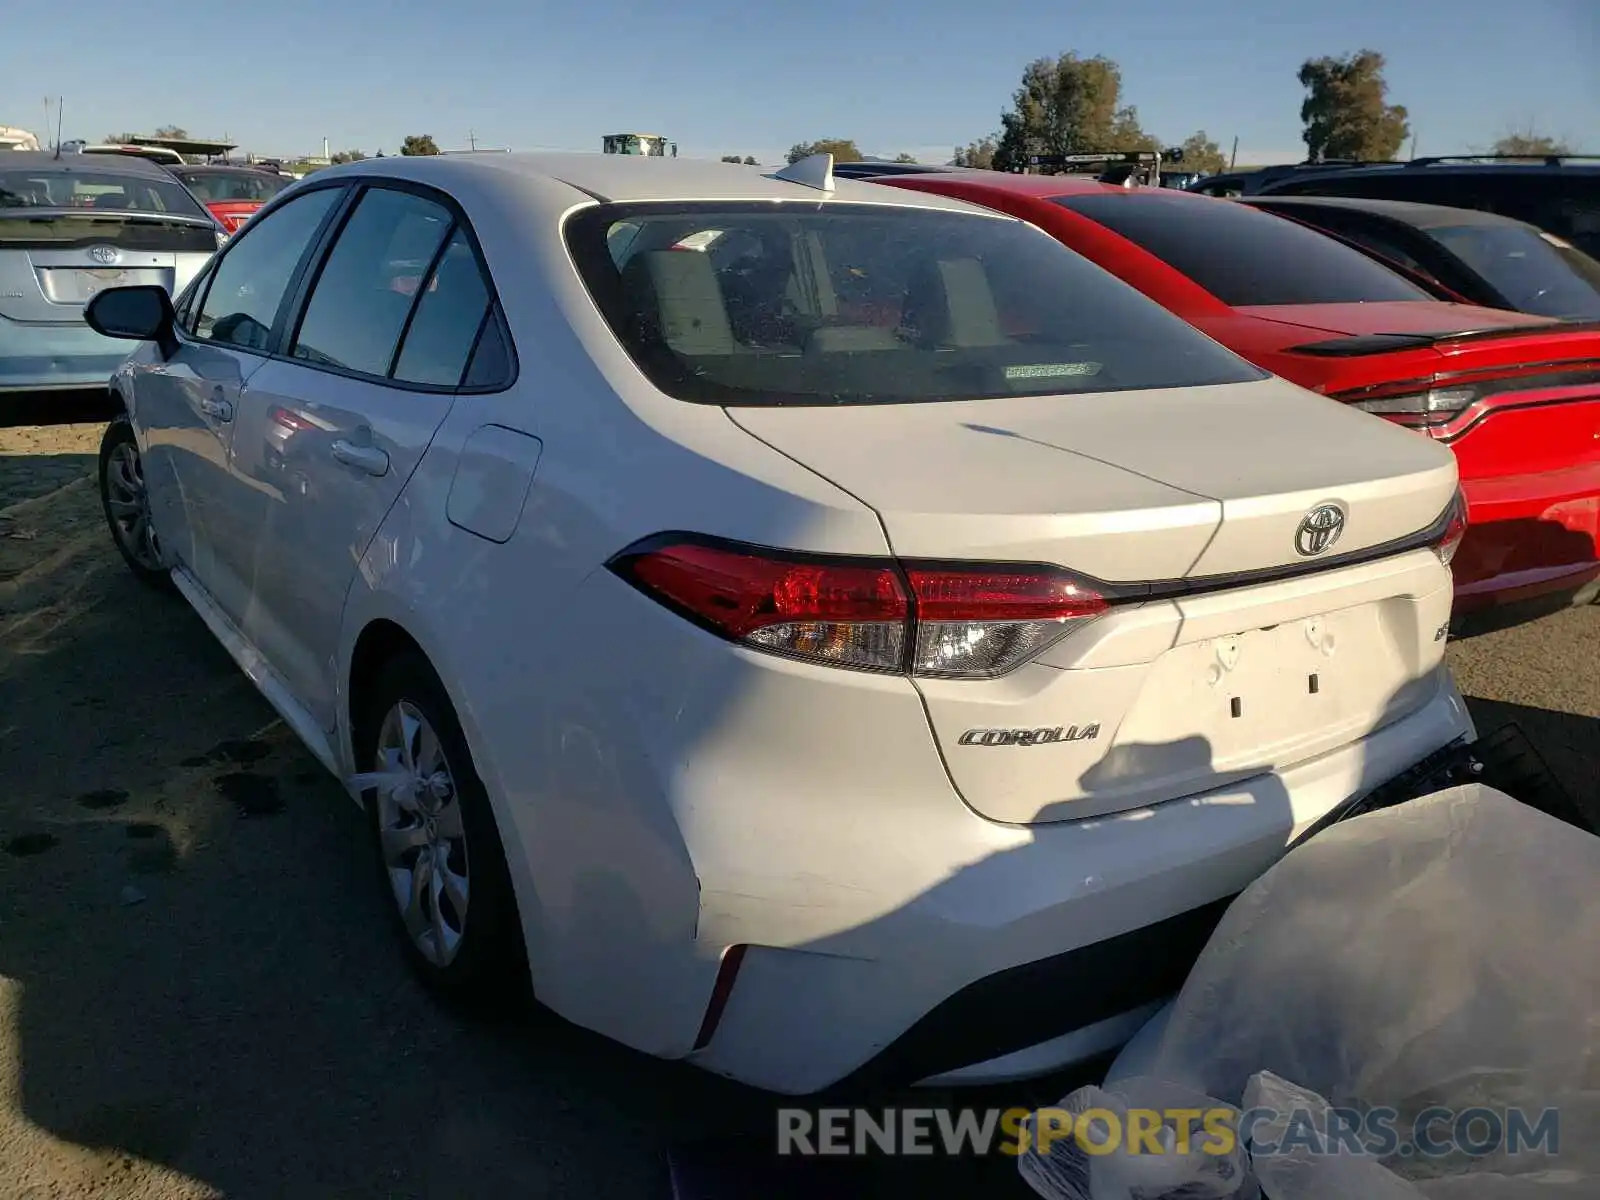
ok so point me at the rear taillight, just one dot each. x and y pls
(1455, 528)
(950, 620)
(1438, 401)
(1429, 407)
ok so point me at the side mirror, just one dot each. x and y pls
(142, 313)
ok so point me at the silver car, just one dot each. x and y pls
(72, 226)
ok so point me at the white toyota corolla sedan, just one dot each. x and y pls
(807, 627)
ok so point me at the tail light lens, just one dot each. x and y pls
(1429, 407)
(953, 621)
(1454, 530)
(1429, 403)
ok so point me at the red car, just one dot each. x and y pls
(231, 193)
(1516, 396)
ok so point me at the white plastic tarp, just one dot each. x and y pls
(1406, 1007)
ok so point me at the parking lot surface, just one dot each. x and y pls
(198, 993)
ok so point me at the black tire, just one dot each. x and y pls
(119, 434)
(488, 974)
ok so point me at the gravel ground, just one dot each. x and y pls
(197, 995)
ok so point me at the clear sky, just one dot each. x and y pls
(754, 77)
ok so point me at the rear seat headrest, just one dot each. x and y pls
(679, 294)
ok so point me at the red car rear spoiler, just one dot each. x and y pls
(1389, 343)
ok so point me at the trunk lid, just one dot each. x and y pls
(1435, 317)
(53, 261)
(1261, 661)
(1123, 487)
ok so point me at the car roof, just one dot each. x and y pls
(629, 178)
(1408, 212)
(98, 164)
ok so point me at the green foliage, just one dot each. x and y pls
(418, 144)
(1345, 111)
(1201, 154)
(346, 156)
(1068, 105)
(843, 150)
(1530, 143)
(978, 154)
(732, 158)
(749, 160)
(172, 131)
(904, 158)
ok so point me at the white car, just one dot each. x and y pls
(813, 626)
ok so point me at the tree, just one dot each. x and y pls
(979, 154)
(119, 139)
(347, 156)
(172, 131)
(733, 158)
(749, 160)
(418, 144)
(843, 150)
(1201, 154)
(1527, 141)
(1068, 105)
(904, 158)
(1345, 113)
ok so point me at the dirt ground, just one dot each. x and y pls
(198, 997)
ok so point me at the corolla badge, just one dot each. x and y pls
(1319, 529)
(1029, 737)
(107, 255)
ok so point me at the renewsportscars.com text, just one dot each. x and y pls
(1379, 1132)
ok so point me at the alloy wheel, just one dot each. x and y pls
(420, 833)
(128, 501)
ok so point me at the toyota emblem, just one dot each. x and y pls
(1319, 530)
(106, 255)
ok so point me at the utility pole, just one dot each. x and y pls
(1413, 145)
(472, 139)
(1234, 157)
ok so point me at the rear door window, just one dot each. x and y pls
(363, 295)
(761, 304)
(1241, 255)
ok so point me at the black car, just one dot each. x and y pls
(1559, 194)
(1230, 184)
(1479, 256)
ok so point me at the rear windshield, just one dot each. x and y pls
(215, 187)
(765, 304)
(1241, 255)
(113, 191)
(1536, 273)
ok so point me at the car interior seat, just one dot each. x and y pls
(679, 302)
(949, 304)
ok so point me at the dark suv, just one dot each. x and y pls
(1559, 194)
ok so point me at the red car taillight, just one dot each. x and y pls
(1454, 530)
(947, 620)
(1438, 401)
